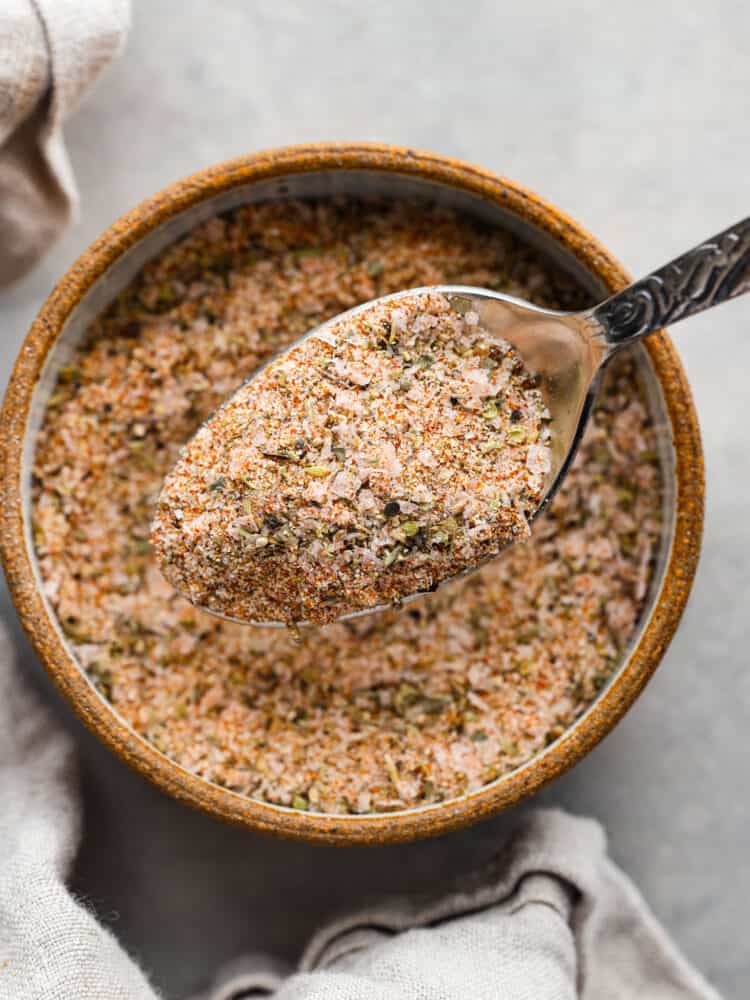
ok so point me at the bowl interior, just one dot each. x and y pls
(328, 183)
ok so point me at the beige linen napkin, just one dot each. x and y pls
(51, 947)
(552, 918)
(51, 52)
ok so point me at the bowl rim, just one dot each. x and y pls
(133, 749)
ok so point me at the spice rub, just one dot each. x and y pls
(403, 709)
(389, 451)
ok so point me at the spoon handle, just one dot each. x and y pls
(713, 272)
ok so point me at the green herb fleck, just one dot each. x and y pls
(391, 556)
(494, 445)
(68, 374)
(460, 304)
(392, 771)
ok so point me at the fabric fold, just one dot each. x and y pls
(53, 51)
(551, 917)
(51, 946)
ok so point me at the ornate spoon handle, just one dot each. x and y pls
(713, 272)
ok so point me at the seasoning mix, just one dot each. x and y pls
(400, 709)
(389, 451)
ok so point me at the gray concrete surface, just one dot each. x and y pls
(635, 119)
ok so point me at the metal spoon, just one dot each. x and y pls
(569, 350)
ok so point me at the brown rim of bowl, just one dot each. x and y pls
(141, 755)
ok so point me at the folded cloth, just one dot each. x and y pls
(550, 918)
(51, 947)
(52, 52)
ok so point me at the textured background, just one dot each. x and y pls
(637, 124)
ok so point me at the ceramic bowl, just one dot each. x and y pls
(326, 170)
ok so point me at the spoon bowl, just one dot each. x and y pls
(562, 351)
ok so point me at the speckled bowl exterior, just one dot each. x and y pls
(533, 213)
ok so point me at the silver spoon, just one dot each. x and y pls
(568, 350)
